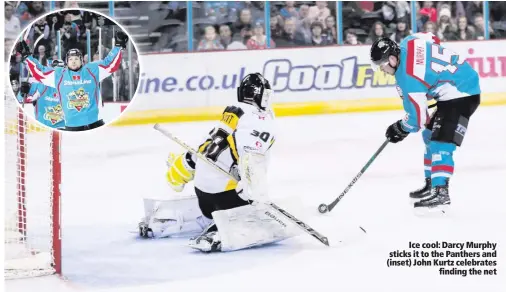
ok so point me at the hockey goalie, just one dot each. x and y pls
(226, 214)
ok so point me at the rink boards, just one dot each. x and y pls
(180, 87)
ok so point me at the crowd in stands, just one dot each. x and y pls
(233, 25)
(73, 26)
(449, 20)
(220, 25)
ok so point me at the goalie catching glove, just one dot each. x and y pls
(181, 170)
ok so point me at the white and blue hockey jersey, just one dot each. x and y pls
(46, 104)
(428, 70)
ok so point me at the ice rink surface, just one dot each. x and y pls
(107, 173)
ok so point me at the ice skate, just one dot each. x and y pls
(144, 230)
(421, 193)
(207, 242)
(439, 201)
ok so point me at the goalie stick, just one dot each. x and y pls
(323, 208)
(306, 228)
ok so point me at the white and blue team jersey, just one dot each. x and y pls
(79, 91)
(428, 70)
(47, 107)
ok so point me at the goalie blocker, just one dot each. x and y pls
(228, 215)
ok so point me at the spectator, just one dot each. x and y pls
(246, 33)
(319, 12)
(96, 57)
(443, 24)
(288, 39)
(303, 11)
(15, 63)
(377, 32)
(39, 28)
(245, 19)
(472, 8)
(225, 35)
(402, 8)
(42, 55)
(36, 9)
(388, 13)
(331, 30)
(317, 38)
(429, 10)
(303, 30)
(210, 41)
(479, 23)
(289, 10)
(69, 37)
(276, 27)
(465, 32)
(431, 27)
(74, 16)
(401, 32)
(258, 40)
(12, 23)
(351, 37)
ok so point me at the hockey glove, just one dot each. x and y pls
(395, 133)
(24, 89)
(23, 49)
(181, 171)
(120, 39)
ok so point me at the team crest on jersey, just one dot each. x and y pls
(54, 114)
(78, 99)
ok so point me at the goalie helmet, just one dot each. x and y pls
(381, 49)
(255, 90)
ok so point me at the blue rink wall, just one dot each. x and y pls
(306, 81)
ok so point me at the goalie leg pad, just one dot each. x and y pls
(251, 225)
(176, 217)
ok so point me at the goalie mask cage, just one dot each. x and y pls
(32, 195)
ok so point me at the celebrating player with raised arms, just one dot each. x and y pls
(78, 85)
(425, 70)
(234, 213)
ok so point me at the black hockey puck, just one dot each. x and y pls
(323, 208)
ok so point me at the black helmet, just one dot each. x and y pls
(15, 84)
(254, 90)
(74, 52)
(381, 49)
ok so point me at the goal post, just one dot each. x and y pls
(32, 194)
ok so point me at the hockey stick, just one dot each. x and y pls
(306, 228)
(323, 208)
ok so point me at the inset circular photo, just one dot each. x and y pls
(74, 70)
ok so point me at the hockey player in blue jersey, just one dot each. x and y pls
(46, 103)
(77, 85)
(45, 100)
(425, 70)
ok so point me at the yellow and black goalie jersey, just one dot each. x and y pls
(241, 128)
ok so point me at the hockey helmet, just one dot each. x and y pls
(15, 84)
(381, 49)
(74, 52)
(255, 90)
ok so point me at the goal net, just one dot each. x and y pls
(32, 194)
